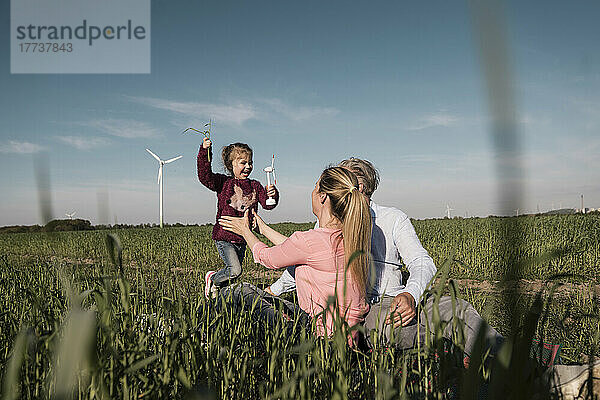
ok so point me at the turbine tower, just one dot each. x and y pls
(160, 179)
(448, 209)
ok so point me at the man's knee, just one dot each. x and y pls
(241, 295)
(450, 307)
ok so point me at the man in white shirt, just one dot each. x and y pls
(393, 303)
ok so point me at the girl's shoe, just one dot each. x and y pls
(210, 290)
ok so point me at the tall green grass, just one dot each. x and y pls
(131, 326)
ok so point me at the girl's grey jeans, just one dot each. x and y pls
(233, 256)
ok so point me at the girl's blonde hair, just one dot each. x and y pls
(231, 152)
(351, 208)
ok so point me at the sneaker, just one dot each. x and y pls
(210, 290)
(547, 354)
(268, 290)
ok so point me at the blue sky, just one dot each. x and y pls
(313, 82)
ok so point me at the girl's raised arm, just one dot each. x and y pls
(206, 176)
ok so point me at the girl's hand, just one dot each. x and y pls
(206, 143)
(271, 191)
(237, 225)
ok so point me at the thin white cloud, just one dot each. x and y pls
(229, 114)
(440, 119)
(82, 142)
(16, 147)
(124, 128)
(237, 113)
(297, 113)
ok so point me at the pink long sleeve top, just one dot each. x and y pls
(320, 273)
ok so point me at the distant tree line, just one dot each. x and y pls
(56, 225)
(64, 225)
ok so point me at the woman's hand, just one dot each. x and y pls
(258, 222)
(237, 225)
(271, 192)
(206, 143)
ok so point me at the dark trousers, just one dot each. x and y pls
(268, 310)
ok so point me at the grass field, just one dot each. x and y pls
(76, 322)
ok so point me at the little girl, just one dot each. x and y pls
(235, 194)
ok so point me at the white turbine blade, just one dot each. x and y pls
(173, 159)
(274, 178)
(153, 155)
(273, 161)
(159, 175)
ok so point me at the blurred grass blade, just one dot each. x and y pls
(141, 364)
(74, 351)
(41, 165)
(115, 251)
(13, 369)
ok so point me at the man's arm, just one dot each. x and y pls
(421, 268)
(418, 262)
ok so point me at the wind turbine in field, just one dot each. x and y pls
(448, 209)
(160, 179)
(71, 215)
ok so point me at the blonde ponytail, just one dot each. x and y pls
(352, 209)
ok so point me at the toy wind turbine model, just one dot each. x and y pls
(160, 179)
(271, 170)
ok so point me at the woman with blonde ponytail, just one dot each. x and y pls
(331, 260)
(350, 208)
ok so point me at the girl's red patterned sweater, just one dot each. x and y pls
(234, 196)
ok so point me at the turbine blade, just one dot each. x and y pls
(273, 161)
(173, 159)
(153, 155)
(274, 178)
(159, 174)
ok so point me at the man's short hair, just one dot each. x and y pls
(365, 172)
